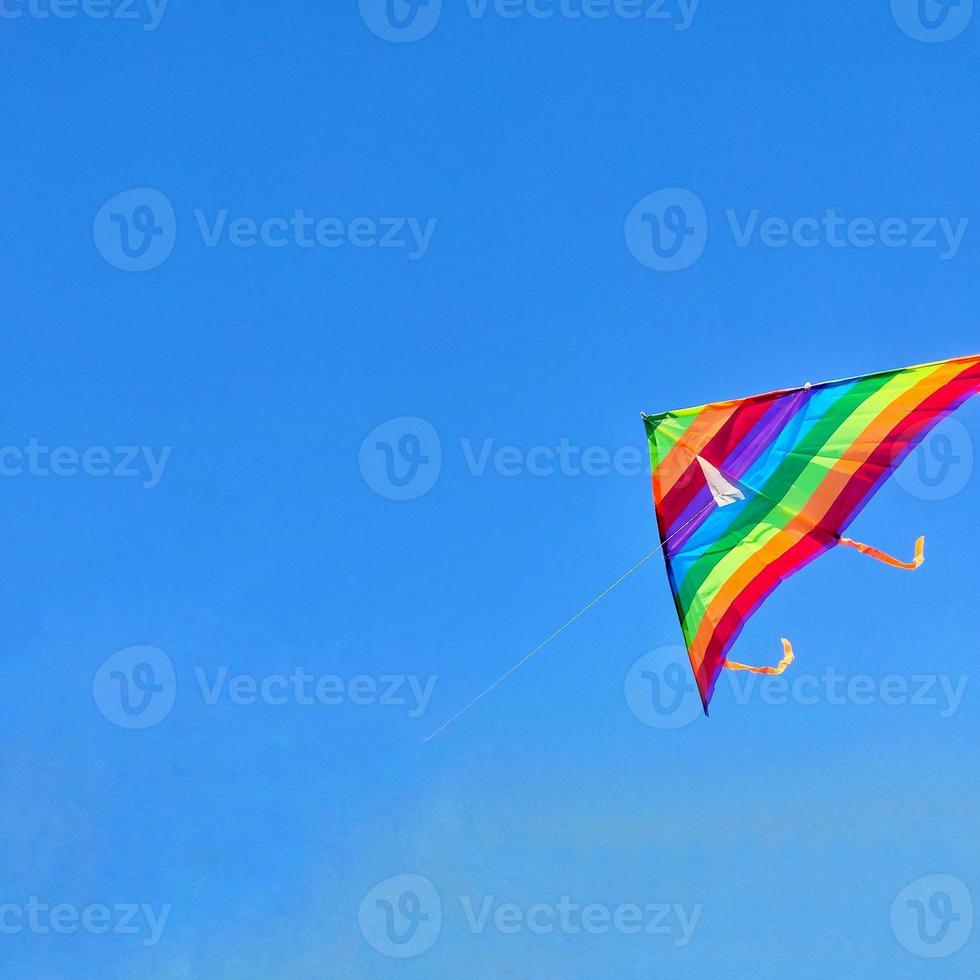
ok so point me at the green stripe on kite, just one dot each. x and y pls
(776, 481)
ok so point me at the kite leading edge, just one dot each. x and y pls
(749, 492)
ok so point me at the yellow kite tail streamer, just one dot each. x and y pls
(788, 658)
(911, 566)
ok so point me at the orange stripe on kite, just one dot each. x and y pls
(815, 509)
(681, 455)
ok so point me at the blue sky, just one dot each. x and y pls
(327, 338)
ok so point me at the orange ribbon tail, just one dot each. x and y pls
(911, 566)
(788, 658)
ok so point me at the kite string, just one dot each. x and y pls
(520, 663)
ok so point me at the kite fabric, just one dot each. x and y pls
(749, 492)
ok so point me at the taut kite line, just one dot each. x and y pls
(748, 492)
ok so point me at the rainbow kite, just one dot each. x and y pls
(749, 492)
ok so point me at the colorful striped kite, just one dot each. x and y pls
(749, 492)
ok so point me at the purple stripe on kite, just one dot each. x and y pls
(701, 500)
(765, 433)
(913, 441)
(739, 461)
